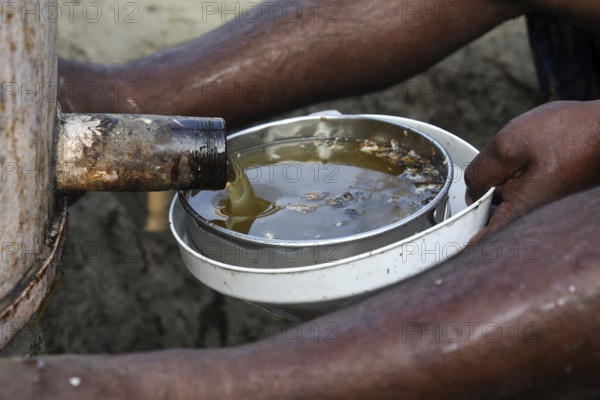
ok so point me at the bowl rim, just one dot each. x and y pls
(307, 268)
(297, 244)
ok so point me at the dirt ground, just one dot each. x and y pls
(123, 289)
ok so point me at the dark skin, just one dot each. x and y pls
(533, 318)
(369, 45)
(558, 294)
(537, 158)
(356, 54)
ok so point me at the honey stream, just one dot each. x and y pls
(243, 206)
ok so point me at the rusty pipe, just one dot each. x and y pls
(120, 152)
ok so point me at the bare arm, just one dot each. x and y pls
(514, 318)
(245, 70)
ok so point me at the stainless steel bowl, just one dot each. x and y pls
(243, 250)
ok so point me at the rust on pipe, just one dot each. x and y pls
(120, 152)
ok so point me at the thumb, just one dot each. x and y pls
(492, 167)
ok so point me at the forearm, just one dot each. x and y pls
(170, 374)
(525, 303)
(501, 321)
(245, 70)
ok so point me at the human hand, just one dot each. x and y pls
(538, 157)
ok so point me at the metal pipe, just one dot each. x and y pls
(120, 152)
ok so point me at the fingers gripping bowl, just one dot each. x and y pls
(318, 275)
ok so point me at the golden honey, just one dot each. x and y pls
(320, 189)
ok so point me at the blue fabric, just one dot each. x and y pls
(567, 59)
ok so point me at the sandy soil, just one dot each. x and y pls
(123, 289)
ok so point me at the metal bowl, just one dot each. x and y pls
(223, 245)
(305, 292)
